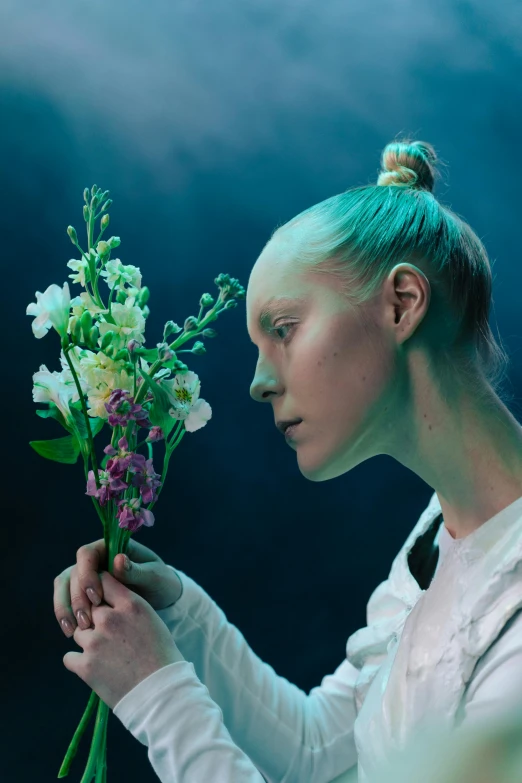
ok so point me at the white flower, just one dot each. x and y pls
(51, 309)
(130, 324)
(183, 392)
(100, 393)
(85, 302)
(99, 369)
(103, 375)
(82, 270)
(97, 399)
(57, 387)
(74, 356)
(117, 273)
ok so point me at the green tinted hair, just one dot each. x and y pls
(361, 234)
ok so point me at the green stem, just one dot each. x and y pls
(95, 757)
(210, 316)
(109, 304)
(73, 747)
(101, 769)
(85, 414)
(168, 453)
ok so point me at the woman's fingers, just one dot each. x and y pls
(79, 586)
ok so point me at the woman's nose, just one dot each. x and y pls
(263, 389)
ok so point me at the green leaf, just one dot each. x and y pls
(149, 354)
(79, 421)
(52, 412)
(96, 425)
(159, 410)
(59, 450)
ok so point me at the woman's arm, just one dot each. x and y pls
(288, 735)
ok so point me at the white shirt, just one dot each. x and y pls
(224, 715)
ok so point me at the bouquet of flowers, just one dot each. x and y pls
(109, 378)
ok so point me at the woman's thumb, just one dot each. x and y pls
(123, 565)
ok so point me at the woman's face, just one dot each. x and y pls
(322, 364)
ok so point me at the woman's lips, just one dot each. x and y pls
(289, 432)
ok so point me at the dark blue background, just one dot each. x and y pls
(210, 124)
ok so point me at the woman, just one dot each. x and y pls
(370, 314)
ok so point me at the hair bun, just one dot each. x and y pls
(408, 163)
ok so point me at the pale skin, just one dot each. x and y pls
(368, 390)
(128, 643)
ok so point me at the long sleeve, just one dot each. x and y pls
(225, 709)
(171, 713)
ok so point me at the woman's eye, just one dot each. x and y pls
(289, 326)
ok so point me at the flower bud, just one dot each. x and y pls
(103, 248)
(122, 354)
(206, 300)
(146, 311)
(86, 323)
(76, 329)
(86, 213)
(164, 352)
(108, 337)
(86, 195)
(209, 333)
(108, 351)
(114, 242)
(190, 323)
(170, 328)
(143, 296)
(230, 304)
(132, 347)
(104, 221)
(121, 296)
(155, 434)
(72, 235)
(93, 338)
(179, 367)
(93, 190)
(107, 203)
(198, 348)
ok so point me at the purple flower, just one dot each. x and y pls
(148, 482)
(123, 459)
(132, 516)
(121, 410)
(155, 434)
(110, 486)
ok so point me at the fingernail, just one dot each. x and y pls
(126, 563)
(93, 595)
(83, 620)
(67, 627)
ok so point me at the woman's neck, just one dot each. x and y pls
(468, 447)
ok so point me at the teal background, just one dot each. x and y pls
(210, 124)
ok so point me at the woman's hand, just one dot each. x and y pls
(128, 643)
(149, 577)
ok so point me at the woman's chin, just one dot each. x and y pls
(314, 469)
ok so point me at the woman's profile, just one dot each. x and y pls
(369, 311)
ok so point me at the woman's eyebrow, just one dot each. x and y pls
(274, 305)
